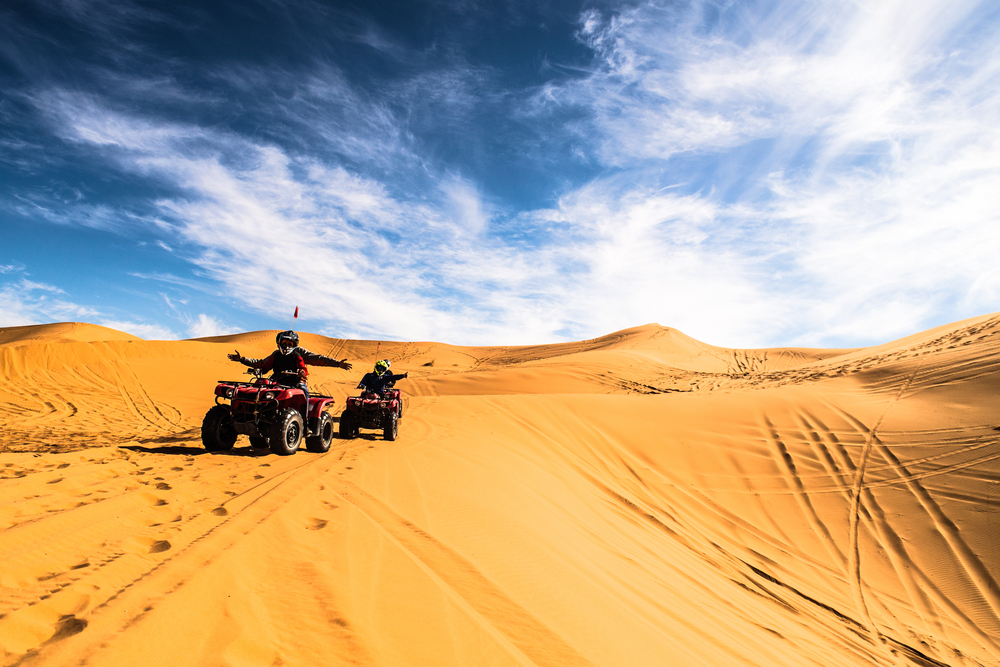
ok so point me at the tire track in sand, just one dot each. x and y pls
(116, 576)
(526, 639)
(784, 458)
(977, 572)
(854, 555)
(922, 590)
(830, 448)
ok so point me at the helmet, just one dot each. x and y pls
(382, 367)
(289, 336)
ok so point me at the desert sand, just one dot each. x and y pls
(642, 498)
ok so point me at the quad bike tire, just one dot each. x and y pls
(258, 442)
(286, 434)
(390, 426)
(217, 432)
(320, 442)
(348, 425)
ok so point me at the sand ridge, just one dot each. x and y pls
(637, 499)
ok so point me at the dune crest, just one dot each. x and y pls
(641, 498)
(61, 331)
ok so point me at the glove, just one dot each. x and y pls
(343, 364)
(236, 356)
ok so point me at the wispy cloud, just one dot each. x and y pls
(764, 173)
(24, 302)
(278, 230)
(143, 330)
(856, 146)
(205, 326)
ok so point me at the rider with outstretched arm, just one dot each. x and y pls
(289, 362)
(380, 379)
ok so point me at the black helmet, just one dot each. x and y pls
(289, 336)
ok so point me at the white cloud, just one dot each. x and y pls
(25, 302)
(838, 164)
(205, 326)
(140, 329)
(465, 206)
(633, 256)
(97, 216)
(882, 123)
(279, 231)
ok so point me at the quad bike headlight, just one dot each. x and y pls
(230, 392)
(269, 395)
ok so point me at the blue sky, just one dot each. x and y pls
(818, 174)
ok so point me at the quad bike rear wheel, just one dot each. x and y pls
(217, 432)
(320, 442)
(348, 425)
(286, 434)
(390, 425)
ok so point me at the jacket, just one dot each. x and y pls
(292, 362)
(374, 383)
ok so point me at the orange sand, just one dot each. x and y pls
(636, 499)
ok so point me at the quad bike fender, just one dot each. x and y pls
(318, 405)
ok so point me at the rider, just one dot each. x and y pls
(380, 379)
(289, 363)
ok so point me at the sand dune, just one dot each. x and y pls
(636, 499)
(61, 332)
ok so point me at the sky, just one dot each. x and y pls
(754, 174)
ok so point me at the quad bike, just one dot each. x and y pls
(372, 410)
(271, 414)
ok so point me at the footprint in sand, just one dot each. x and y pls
(147, 545)
(159, 546)
(69, 625)
(315, 524)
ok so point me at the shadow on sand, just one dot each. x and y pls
(189, 450)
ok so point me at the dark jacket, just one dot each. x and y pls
(374, 383)
(285, 366)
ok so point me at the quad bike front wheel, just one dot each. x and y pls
(390, 425)
(320, 442)
(217, 432)
(348, 425)
(286, 434)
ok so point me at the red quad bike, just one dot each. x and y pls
(371, 410)
(268, 412)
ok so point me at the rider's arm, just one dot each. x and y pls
(314, 359)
